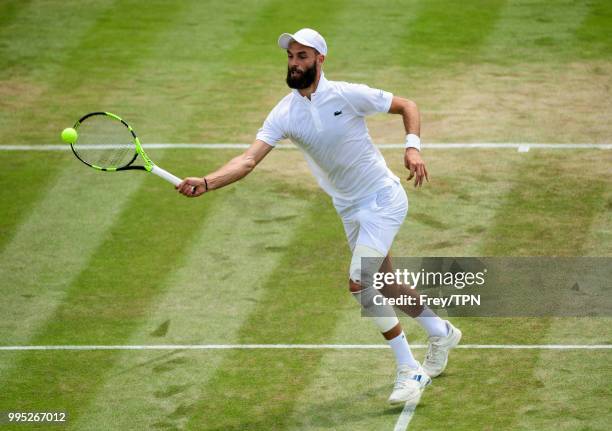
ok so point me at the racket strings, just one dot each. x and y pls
(118, 156)
(105, 142)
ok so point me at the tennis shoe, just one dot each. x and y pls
(438, 350)
(409, 385)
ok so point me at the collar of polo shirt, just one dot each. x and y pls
(322, 86)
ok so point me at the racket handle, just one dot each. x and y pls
(166, 175)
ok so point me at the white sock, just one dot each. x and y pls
(402, 352)
(434, 326)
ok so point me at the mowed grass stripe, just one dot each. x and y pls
(206, 300)
(537, 32)
(259, 40)
(358, 56)
(55, 242)
(9, 9)
(446, 35)
(485, 390)
(298, 305)
(38, 38)
(18, 201)
(558, 200)
(599, 241)
(108, 300)
(41, 35)
(569, 388)
(593, 34)
(447, 217)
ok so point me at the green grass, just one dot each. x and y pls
(97, 258)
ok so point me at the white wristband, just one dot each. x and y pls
(413, 141)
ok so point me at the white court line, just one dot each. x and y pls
(519, 146)
(404, 418)
(302, 346)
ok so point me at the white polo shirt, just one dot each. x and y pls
(330, 129)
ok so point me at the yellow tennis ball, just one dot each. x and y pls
(69, 135)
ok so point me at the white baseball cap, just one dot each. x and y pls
(305, 36)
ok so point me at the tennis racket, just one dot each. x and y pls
(107, 143)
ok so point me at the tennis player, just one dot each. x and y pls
(326, 120)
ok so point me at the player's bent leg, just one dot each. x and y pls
(411, 379)
(443, 336)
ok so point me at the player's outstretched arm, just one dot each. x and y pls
(234, 170)
(412, 124)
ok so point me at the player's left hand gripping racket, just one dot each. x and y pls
(107, 143)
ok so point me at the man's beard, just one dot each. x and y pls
(301, 80)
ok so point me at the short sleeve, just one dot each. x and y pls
(366, 100)
(272, 131)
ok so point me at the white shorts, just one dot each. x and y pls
(374, 220)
